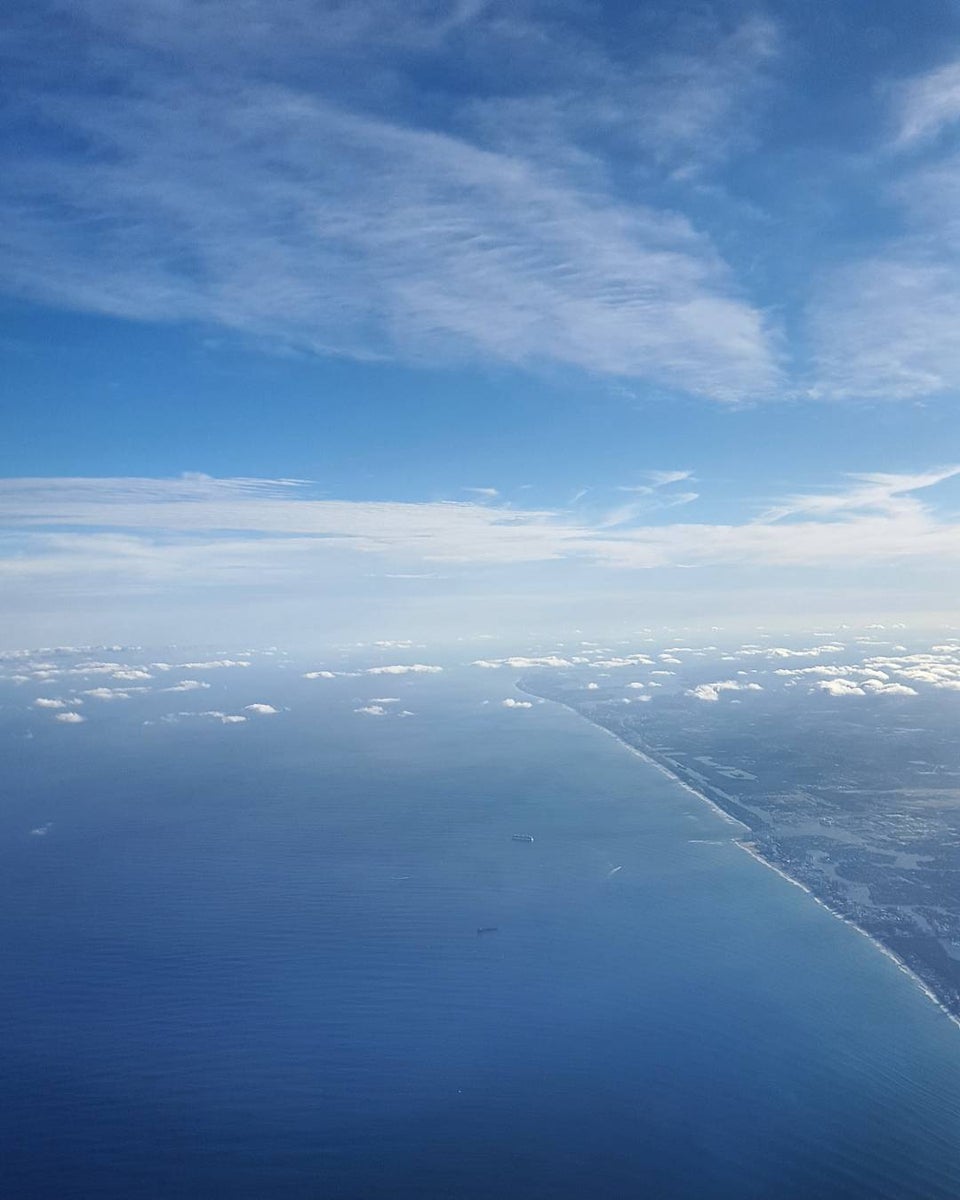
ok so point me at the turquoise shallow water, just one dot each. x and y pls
(244, 962)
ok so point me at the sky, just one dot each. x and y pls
(332, 320)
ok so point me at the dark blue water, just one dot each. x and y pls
(244, 963)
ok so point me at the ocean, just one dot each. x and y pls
(243, 960)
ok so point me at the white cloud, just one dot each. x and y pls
(173, 533)
(70, 718)
(841, 687)
(187, 685)
(320, 675)
(788, 652)
(940, 670)
(877, 688)
(404, 669)
(260, 710)
(711, 691)
(511, 703)
(372, 710)
(229, 547)
(522, 662)
(879, 492)
(211, 192)
(210, 666)
(867, 687)
(210, 714)
(884, 326)
(828, 672)
(46, 702)
(105, 693)
(928, 104)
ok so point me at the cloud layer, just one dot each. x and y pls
(208, 545)
(225, 189)
(157, 532)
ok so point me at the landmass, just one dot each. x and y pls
(858, 805)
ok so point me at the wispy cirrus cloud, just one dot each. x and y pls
(225, 189)
(884, 324)
(881, 492)
(928, 104)
(885, 328)
(175, 535)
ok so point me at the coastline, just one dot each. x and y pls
(884, 950)
(744, 844)
(711, 804)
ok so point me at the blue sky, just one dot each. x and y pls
(323, 320)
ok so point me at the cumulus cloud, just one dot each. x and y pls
(213, 665)
(787, 651)
(261, 710)
(711, 691)
(828, 672)
(868, 687)
(521, 662)
(940, 669)
(841, 687)
(70, 718)
(372, 710)
(878, 688)
(187, 685)
(46, 702)
(629, 660)
(511, 703)
(404, 669)
(105, 693)
(320, 675)
(224, 718)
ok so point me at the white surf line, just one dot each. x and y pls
(755, 854)
(884, 950)
(711, 804)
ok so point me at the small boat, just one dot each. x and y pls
(522, 837)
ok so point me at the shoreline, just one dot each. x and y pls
(898, 962)
(748, 848)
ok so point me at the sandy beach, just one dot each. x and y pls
(749, 848)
